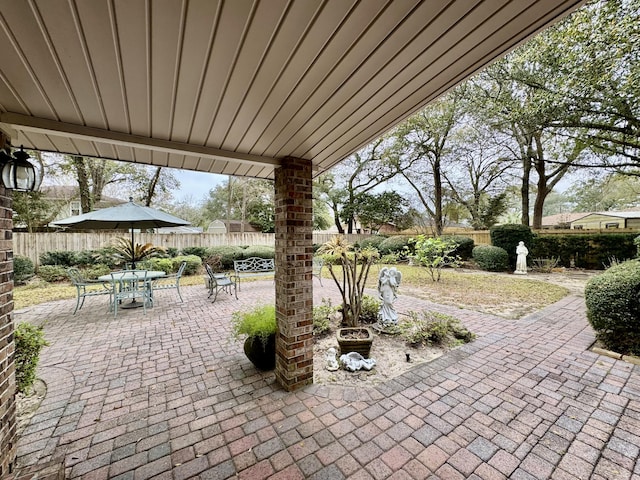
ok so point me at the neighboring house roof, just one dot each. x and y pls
(633, 214)
(179, 230)
(562, 218)
(70, 192)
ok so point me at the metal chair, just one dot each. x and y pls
(131, 284)
(170, 281)
(85, 288)
(220, 281)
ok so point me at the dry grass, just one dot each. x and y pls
(503, 295)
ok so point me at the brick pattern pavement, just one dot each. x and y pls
(169, 395)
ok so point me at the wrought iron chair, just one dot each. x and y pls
(88, 288)
(131, 285)
(170, 281)
(221, 281)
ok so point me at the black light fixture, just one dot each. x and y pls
(17, 172)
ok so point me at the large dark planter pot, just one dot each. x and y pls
(361, 344)
(262, 355)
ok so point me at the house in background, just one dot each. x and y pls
(235, 226)
(65, 201)
(561, 220)
(606, 220)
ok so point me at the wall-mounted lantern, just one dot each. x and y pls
(17, 172)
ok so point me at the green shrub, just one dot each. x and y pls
(370, 308)
(95, 271)
(194, 263)
(23, 269)
(435, 254)
(29, 341)
(508, 236)
(613, 307)
(172, 252)
(162, 264)
(261, 251)
(198, 251)
(636, 242)
(464, 246)
(389, 259)
(397, 244)
(259, 322)
(433, 328)
(321, 321)
(592, 251)
(373, 241)
(490, 258)
(227, 254)
(66, 258)
(52, 273)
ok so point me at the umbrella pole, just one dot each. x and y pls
(133, 250)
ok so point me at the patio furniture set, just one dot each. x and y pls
(129, 284)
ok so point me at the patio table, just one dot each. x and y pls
(127, 275)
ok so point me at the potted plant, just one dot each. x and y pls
(259, 327)
(350, 278)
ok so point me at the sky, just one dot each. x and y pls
(195, 185)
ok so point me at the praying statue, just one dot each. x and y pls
(388, 283)
(521, 261)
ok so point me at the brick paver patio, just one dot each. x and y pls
(170, 395)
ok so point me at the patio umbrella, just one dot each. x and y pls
(128, 215)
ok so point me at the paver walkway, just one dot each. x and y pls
(169, 395)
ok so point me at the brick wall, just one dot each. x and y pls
(7, 370)
(294, 258)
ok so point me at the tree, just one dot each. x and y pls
(614, 191)
(31, 210)
(375, 210)
(421, 145)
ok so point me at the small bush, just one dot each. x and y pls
(198, 251)
(66, 258)
(636, 242)
(433, 328)
(490, 258)
(374, 241)
(613, 307)
(435, 254)
(389, 259)
(194, 263)
(227, 254)
(52, 273)
(464, 246)
(172, 252)
(95, 271)
(321, 321)
(23, 269)
(369, 310)
(162, 264)
(397, 244)
(29, 341)
(261, 251)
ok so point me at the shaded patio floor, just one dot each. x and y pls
(170, 395)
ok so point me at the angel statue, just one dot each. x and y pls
(388, 283)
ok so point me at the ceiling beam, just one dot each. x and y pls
(52, 127)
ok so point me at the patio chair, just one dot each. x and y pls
(131, 285)
(88, 288)
(220, 281)
(170, 281)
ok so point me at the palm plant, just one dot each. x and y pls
(352, 276)
(128, 252)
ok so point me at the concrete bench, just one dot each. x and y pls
(253, 267)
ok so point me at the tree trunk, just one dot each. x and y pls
(152, 187)
(437, 182)
(524, 190)
(83, 183)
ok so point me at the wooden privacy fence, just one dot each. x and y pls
(32, 245)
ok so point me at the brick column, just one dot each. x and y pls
(8, 418)
(294, 287)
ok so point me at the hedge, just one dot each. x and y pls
(508, 236)
(395, 244)
(591, 251)
(464, 246)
